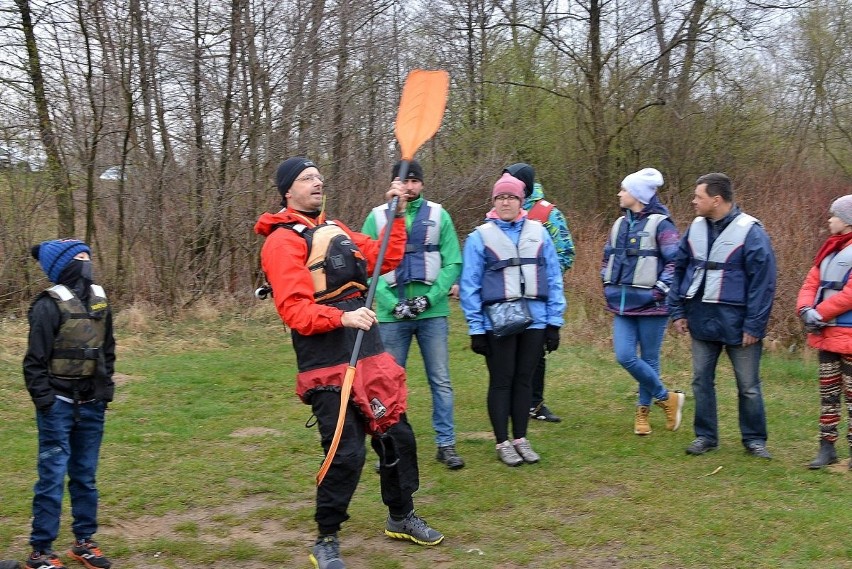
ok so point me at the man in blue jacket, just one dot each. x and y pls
(722, 294)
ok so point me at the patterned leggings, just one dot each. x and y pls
(835, 377)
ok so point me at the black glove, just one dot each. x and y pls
(479, 344)
(551, 338)
(419, 305)
(402, 311)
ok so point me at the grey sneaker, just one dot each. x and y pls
(414, 528)
(523, 448)
(326, 553)
(448, 455)
(758, 450)
(508, 455)
(700, 446)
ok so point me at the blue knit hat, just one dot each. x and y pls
(54, 256)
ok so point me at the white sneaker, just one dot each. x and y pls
(525, 451)
(507, 453)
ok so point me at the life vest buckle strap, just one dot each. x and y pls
(77, 353)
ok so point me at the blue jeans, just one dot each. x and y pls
(432, 334)
(67, 447)
(746, 363)
(646, 332)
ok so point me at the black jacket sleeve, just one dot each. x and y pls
(45, 319)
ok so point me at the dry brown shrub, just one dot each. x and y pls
(140, 317)
(14, 331)
(205, 309)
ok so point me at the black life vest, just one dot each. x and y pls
(79, 342)
(338, 268)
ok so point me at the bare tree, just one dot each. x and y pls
(54, 164)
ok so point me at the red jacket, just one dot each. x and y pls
(283, 259)
(837, 339)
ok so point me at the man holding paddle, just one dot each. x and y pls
(318, 273)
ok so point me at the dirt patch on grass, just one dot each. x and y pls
(255, 432)
(841, 467)
(244, 523)
(123, 379)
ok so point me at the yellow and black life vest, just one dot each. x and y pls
(338, 268)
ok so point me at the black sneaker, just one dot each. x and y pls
(758, 450)
(700, 446)
(542, 413)
(326, 553)
(10, 564)
(414, 528)
(44, 560)
(447, 455)
(89, 554)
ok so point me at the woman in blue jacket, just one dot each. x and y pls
(511, 259)
(637, 270)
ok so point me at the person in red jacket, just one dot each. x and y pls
(825, 307)
(318, 271)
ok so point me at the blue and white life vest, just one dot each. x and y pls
(512, 272)
(422, 259)
(640, 255)
(723, 270)
(833, 274)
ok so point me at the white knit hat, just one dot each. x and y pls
(643, 184)
(842, 208)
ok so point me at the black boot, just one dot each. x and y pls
(827, 455)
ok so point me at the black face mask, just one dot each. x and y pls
(77, 270)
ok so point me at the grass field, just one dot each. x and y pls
(207, 464)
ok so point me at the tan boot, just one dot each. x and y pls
(673, 406)
(641, 426)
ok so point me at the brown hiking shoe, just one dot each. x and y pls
(673, 406)
(641, 425)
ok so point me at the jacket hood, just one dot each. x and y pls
(653, 206)
(536, 195)
(492, 216)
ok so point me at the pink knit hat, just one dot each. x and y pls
(508, 184)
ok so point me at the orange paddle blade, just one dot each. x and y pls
(421, 109)
(345, 390)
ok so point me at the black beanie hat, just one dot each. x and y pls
(287, 173)
(525, 173)
(415, 172)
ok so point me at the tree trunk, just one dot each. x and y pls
(57, 175)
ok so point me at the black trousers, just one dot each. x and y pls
(398, 482)
(511, 365)
(538, 381)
